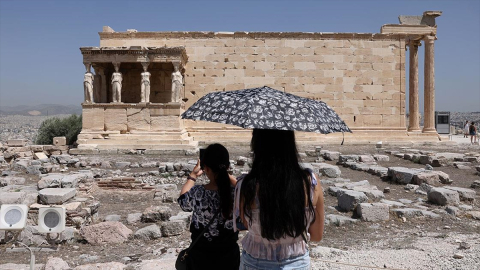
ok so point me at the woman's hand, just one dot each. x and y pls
(197, 171)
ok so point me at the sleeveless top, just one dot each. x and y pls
(274, 250)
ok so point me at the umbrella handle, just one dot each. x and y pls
(343, 139)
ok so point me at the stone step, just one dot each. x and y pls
(150, 146)
(138, 142)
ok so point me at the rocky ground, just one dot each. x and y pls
(413, 207)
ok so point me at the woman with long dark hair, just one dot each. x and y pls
(211, 204)
(280, 203)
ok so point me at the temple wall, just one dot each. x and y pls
(361, 76)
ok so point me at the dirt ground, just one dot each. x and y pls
(395, 234)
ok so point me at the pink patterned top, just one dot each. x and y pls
(261, 248)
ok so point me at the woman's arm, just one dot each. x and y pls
(233, 180)
(316, 228)
(197, 171)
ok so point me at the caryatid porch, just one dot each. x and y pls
(133, 101)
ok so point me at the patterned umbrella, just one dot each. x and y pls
(266, 108)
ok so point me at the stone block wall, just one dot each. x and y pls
(361, 76)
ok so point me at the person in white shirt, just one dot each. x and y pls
(466, 130)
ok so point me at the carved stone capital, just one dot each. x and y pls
(429, 39)
(145, 66)
(416, 43)
(116, 65)
(88, 66)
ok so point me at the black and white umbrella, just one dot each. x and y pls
(266, 108)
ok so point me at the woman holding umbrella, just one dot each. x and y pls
(214, 243)
(280, 203)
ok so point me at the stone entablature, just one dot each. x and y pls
(133, 54)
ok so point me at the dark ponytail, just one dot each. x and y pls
(216, 157)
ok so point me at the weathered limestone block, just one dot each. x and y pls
(331, 155)
(464, 193)
(116, 119)
(339, 220)
(54, 263)
(174, 227)
(11, 180)
(371, 191)
(381, 157)
(402, 175)
(93, 119)
(366, 158)
(328, 170)
(16, 142)
(56, 195)
(342, 159)
(160, 123)
(373, 212)
(407, 212)
(426, 177)
(134, 218)
(348, 200)
(156, 213)
(106, 232)
(12, 197)
(59, 141)
(138, 119)
(50, 181)
(148, 233)
(443, 196)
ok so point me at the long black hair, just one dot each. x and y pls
(217, 159)
(282, 186)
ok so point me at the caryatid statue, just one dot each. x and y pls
(145, 84)
(116, 84)
(177, 82)
(88, 86)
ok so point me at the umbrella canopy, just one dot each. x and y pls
(266, 108)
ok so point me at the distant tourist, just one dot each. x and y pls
(473, 133)
(466, 129)
(212, 224)
(280, 203)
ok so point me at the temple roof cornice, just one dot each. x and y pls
(134, 54)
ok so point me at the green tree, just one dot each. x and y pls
(68, 127)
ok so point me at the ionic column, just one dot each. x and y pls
(429, 86)
(414, 124)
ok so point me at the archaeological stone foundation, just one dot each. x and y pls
(137, 84)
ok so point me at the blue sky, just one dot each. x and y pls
(40, 61)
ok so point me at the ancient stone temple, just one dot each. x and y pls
(142, 81)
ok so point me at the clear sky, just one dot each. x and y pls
(40, 60)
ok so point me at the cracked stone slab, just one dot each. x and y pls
(56, 195)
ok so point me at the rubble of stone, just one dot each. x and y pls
(35, 176)
(437, 159)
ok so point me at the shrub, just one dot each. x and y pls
(68, 127)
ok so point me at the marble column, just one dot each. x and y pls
(429, 87)
(414, 124)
